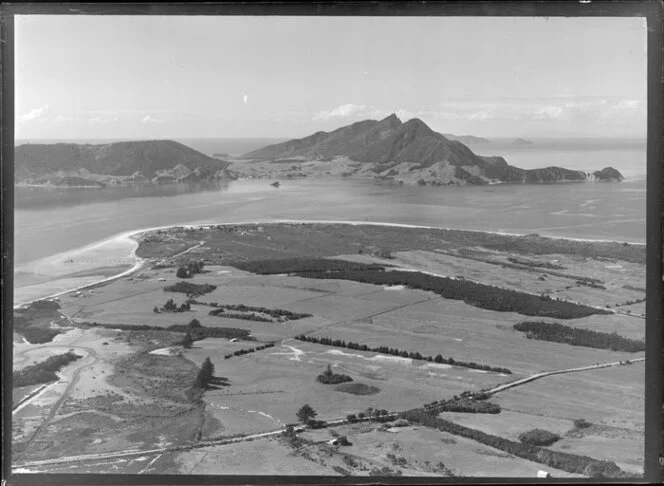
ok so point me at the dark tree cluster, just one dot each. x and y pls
(588, 283)
(197, 332)
(559, 333)
(44, 372)
(582, 423)
(572, 463)
(396, 352)
(28, 321)
(472, 293)
(202, 332)
(187, 341)
(190, 269)
(631, 302)
(328, 377)
(205, 375)
(240, 352)
(539, 437)
(467, 405)
(191, 289)
(235, 315)
(297, 265)
(529, 263)
(375, 414)
(171, 306)
(306, 416)
(276, 313)
(385, 471)
(43, 305)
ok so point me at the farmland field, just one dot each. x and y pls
(135, 399)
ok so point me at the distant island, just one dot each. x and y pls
(522, 141)
(467, 139)
(84, 165)
(407, 153)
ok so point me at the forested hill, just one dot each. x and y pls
(137, 160)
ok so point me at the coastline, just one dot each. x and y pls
(139, 263)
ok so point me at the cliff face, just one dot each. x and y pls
(411, 152)
(121, 161)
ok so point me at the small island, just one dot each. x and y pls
(522, 141)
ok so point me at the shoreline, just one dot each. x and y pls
(140, 262)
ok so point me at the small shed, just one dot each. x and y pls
(543, 474)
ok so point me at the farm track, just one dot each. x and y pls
(341, 421)
(537, 376)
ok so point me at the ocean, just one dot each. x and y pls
(55, 226)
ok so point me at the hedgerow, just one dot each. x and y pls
(326, 341)
(559, 333)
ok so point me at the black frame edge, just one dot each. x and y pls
(654, 218)
(7, 219)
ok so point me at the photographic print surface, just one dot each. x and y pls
(336, 246)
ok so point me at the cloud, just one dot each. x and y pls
(364, 111)
(341, 111)
(544, 109)
(34, 114)
(405, 115)
(150, 119)
(64, 119)
(549, 112)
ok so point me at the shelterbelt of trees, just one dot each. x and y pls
(326, 341)
(472, 293)
(197, 332)
(560, 333)
(222, 311)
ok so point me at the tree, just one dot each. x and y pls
(208, 367)
(194, 323)
(306, 413)
(170, 306)
(182, 273)
(187, 341)
(155, 309)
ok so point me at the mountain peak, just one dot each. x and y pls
(391, 121)
(418, 127)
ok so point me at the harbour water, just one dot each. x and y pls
(74, 236)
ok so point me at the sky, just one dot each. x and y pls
(137, 77)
